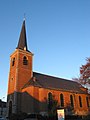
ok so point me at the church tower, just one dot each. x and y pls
(20, 72)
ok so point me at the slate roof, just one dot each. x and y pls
(50, 82)
(22, 44)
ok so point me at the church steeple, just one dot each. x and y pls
(22, 44)
(20, 73)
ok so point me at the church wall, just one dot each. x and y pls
(40, 97)
(12, 74)
(84, 109)
(30, 99)
(27, 102)
(25, 71)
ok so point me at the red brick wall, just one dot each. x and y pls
(41, 95)
(19, 74)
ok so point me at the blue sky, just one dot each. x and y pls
(58, 33)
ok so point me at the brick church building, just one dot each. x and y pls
(32, 92)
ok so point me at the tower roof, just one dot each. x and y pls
(22, 44)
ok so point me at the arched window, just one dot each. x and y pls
(80, 101)
(61, 100)
(13, 61)
(50, 100)
(87, 101)
(71, 101)
(25, 61)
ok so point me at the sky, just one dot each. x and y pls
(58, 34)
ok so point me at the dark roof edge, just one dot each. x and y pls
(63, 90)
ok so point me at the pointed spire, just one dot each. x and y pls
(22, 44)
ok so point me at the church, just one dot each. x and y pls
(32, 92)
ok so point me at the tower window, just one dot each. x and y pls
(13, 61)
(80, 101)
(62, 100)
(25, 61)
